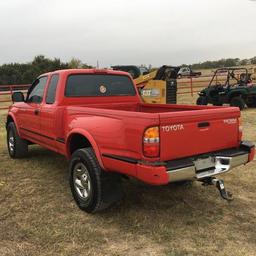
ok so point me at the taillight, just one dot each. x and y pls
(240, 128)
(151, 142)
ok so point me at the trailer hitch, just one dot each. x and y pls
(220, 186)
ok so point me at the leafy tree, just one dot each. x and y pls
(16, 73)
(253, 60)
(75, 63)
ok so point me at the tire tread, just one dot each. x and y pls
(106, 191)
(21, 145)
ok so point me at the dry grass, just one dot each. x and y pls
(39, 217)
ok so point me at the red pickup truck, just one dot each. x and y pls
(98, 121)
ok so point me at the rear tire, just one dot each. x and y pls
(17, 147)
(93, 189)
(202, 100)
(237, 102)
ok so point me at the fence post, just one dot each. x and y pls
(191, 86)
(11, 92)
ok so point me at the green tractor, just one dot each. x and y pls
(229, 86)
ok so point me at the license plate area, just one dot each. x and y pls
(204, 163)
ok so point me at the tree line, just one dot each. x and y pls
(223, 63)
(25, 73)
(20, 73)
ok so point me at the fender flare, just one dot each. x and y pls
(15, 122)
(90, 138)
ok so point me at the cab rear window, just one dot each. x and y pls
(81, 85)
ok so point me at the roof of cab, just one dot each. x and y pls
(87, 71)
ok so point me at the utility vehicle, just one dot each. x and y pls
(232, 86)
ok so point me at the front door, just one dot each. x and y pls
(29, 113)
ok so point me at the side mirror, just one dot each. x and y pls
(18, 97)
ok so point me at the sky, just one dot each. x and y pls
(116, 32)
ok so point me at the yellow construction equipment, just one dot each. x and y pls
(151, 91)
(158, 86)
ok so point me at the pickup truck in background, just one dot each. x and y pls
(97, 120)
(187, 72)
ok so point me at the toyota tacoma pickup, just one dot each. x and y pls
(97, 119)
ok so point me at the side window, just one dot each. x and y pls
(51, 93)
(36, 92)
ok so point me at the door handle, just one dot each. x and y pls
(203, 124)
(36, 112)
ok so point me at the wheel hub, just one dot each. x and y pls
(82, 181)
(11, 143)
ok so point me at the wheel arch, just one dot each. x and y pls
(79, 138)
(11, 118)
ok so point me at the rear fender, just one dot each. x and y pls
(90, 138)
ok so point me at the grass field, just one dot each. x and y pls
(39, 217)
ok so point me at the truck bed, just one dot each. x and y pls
(150, 108)
(184, 129)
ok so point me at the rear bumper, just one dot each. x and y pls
(206, 167)
(197, 167)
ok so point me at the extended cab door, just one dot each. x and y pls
(29, 113)
(50, 115)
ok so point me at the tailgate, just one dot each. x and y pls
(189, 133)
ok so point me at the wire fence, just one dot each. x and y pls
(193, 85)
(6, 92)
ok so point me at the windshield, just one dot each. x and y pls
(81, 85)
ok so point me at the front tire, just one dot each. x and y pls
(93, 189)
(202, 100)
(17, 147)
